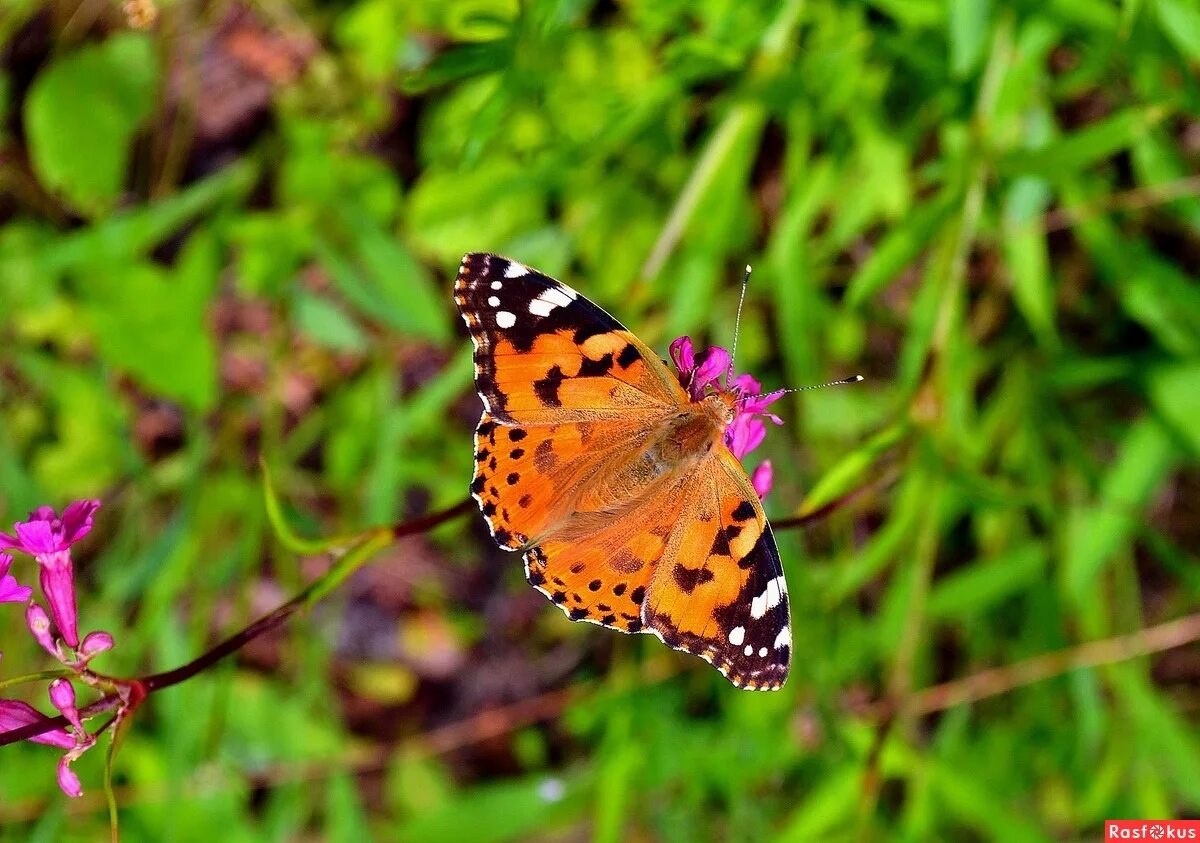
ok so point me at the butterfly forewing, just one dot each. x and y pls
(545, 354)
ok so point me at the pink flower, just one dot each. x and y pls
(48, 539)
(698, 371)
(700, 374)
(39, 627)
(761, 479)
(11, 591)
(46, 533)
(62, 696)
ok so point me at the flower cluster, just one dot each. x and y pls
(700, 374)
(48, 539)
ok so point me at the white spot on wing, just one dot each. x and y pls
(784, 638)
(494, 301)
(496, 285)
(737, 635)
(762, 651)
(505, 319)
(748, 650)
(515, 270)
(769, 599)
(549, 299)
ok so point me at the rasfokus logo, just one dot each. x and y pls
(1152, 829)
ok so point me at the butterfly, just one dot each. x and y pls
(614, 480)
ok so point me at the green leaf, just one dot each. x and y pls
(1097, 533)
(1180, 22)
(86, 453)
(494, 813)
(452, 212)
(849, 472)
(830, 805)
(152, 323)
(1163, 734)
(82, 113)
(1028, 257)
(1078, 151)
(1175, 393)
(968, 592)
(899, 248)
(967, 797)
(326, 323)
(968, 22)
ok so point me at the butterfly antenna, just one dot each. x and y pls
(851, 379)
(737, 325)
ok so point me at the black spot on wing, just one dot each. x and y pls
(596, 368)
(546, 388)
(720, 545)
(628, 356)
(764, 555)
(688, 578)
(744, 511)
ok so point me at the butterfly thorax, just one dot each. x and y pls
(687, 437)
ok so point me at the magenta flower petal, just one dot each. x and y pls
(95, 643)
(711, 364)
(44, 532)
(11, 591)
(14, 714)
(684, 356)
(67, 780)
(746, 384)
(36, 537)
(62, 697)
(744, 435)
(58, 585)
(762, 479)
(39, 626)
(77, 520)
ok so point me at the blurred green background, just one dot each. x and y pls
(233, 234)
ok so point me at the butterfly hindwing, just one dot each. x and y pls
(528, 478)
(719, 592)
(694, 563)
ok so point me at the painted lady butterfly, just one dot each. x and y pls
(614, 480)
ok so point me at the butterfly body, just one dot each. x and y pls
(614, 481)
